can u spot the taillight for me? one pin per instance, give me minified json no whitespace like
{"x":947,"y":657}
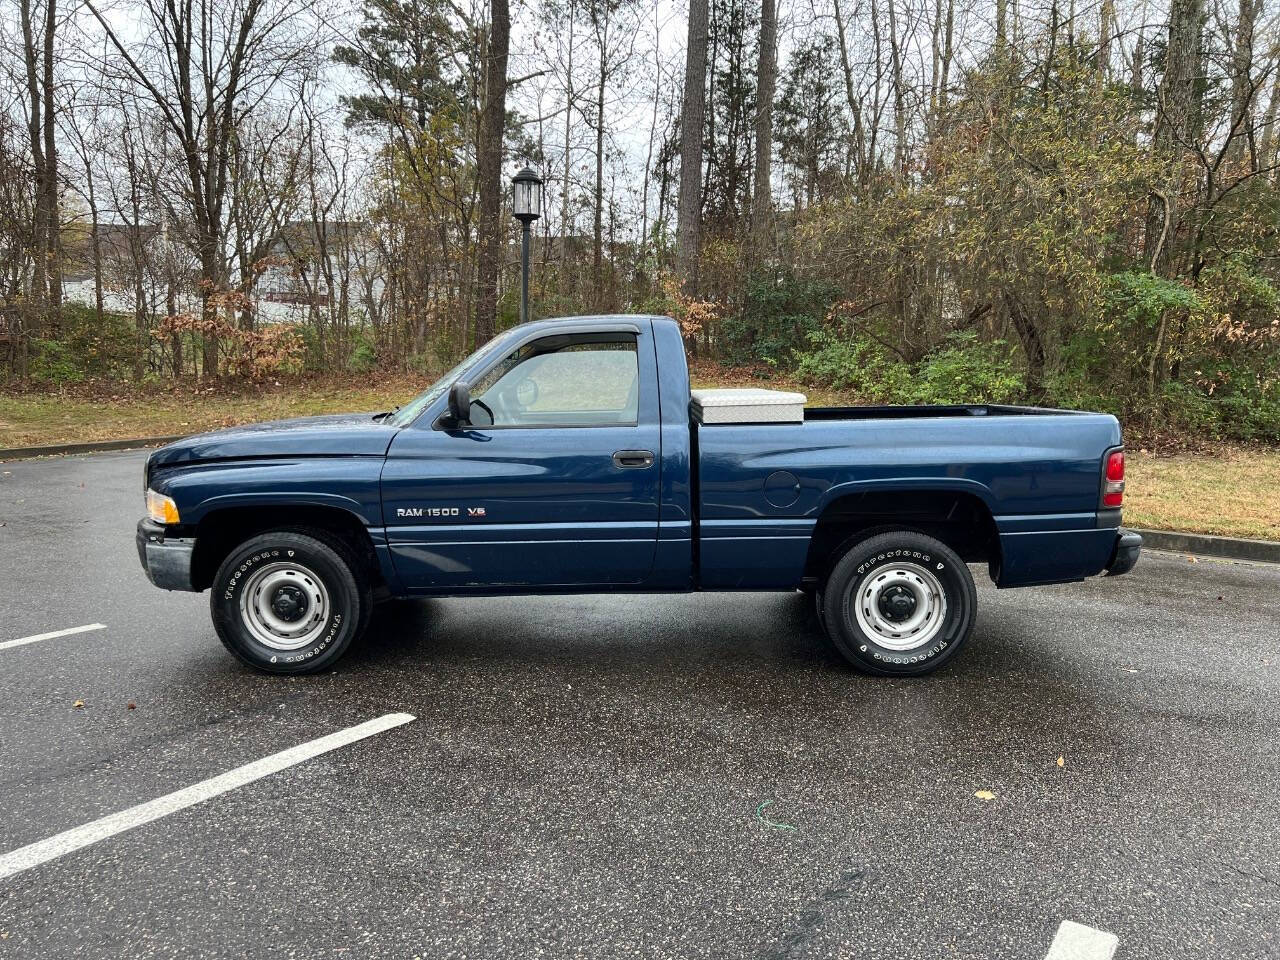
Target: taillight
{"x":1113,"y":482}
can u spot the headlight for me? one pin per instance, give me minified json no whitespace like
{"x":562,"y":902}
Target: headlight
{"x":161,"y":509}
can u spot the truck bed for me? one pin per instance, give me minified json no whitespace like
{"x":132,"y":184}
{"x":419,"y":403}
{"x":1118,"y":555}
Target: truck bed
{"x":928,"y":411}
{"x":1033,"y":474}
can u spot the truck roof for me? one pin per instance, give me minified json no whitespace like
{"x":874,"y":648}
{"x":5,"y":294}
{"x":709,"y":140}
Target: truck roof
{"x":592,"y":318}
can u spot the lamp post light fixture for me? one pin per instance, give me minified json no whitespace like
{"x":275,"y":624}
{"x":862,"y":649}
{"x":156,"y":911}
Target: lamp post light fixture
{"x":526,"y":204}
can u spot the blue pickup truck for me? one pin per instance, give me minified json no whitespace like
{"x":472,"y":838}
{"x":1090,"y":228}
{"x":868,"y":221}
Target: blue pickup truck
{"x":564,"y":456}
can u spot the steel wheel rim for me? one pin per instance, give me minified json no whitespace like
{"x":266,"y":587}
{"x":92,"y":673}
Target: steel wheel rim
{"x":928,"y":614}
{"x":260,"y":606}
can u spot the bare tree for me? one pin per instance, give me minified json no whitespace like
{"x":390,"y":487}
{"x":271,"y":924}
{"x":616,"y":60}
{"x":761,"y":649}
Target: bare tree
{"x":489,"y":169}
{"x":766,"y":83}
{"x":1241,"y":131}
{"x":38,"y":45}
{"x":614,"y":31}
{"x":692,"y":114}
{"x":206,"y":66}
{"x":82,"y":123}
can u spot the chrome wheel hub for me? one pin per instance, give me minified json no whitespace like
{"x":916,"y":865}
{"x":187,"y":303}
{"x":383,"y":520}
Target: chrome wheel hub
{"x":285,"y":606}
{"x":901,"y":606}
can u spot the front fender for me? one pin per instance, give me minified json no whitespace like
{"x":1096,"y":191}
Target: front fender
{"x":347,"y":483}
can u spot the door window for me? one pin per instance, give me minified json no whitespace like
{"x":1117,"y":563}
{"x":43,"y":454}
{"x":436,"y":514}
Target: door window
{"x":554,"y":382}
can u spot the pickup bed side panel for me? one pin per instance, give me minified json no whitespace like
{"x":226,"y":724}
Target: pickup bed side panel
{"x":762,"y":488}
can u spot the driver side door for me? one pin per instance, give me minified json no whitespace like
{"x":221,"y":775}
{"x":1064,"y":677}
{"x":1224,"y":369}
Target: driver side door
{"x":555,"y":482}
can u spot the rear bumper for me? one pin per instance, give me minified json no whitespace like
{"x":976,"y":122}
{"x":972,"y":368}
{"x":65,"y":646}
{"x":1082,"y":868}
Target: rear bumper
{"x":1127,"y":550}
{"x":166,"y":559}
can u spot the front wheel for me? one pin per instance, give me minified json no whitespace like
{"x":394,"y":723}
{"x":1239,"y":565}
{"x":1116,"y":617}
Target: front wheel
{"x":288,"y":601}
{"x":899,"y":604}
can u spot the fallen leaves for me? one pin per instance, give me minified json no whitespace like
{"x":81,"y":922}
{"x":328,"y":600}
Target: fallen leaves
{"x":1062,"y":761}
{"x":984,"y":795}
{"x":78,"y":705}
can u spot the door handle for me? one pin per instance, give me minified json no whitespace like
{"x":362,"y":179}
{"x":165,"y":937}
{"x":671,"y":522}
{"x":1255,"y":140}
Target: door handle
{"x":633,"y":459}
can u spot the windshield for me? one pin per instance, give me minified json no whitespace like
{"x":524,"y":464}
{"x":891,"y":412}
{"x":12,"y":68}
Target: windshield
{"x":413,"y":409}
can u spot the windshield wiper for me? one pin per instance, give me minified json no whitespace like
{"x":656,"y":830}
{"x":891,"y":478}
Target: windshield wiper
{"x":386,"y":413}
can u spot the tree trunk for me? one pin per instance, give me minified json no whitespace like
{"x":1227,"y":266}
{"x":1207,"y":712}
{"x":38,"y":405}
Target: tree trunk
{"x":899,"y":97}
{"x":1242,"y":86}
{"x":1180,"y":119}
{"x":692,"y":113}
{"x":1106,"y":28}
{"x":861,"y":160}
{"x":1137,"y":67}
{"x":53,"y":239}
{"x":95,"y":243}
{"x":766,"y":81}
{"x":39,"y":219}
{"x":489,"y":170}
{"x":948,"y":53}
{"x":210,"y":277}
{"x":140,"y":309}
{"x":597,"y":233}
{"x":653,"y":132}
{"x":568,"y":156}
{"x":171,"y":310}
{"x":1266,"y":148}
{"x":1033,"y":347}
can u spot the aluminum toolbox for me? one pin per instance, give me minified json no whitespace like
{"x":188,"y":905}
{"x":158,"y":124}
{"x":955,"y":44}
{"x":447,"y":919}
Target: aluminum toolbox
{"x":747,"y":406}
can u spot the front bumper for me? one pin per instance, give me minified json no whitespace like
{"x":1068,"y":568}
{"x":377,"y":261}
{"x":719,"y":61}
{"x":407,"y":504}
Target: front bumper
{"x":1127,"y":550}
{"x":165,"y":558}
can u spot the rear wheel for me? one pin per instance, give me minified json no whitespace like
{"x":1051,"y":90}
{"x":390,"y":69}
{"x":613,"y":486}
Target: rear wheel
{"x":899,"y":604}
{"x":290,"y":601}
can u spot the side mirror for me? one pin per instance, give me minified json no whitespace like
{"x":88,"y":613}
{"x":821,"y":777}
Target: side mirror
{"x":460,"y":402}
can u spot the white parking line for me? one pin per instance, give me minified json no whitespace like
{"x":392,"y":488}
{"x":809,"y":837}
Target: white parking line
{"x":77,"y":838}
{"x":1075,"y":941}
{"x":23,"y":641}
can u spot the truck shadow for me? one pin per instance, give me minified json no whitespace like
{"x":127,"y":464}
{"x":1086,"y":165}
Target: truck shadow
{"x":728,"y":641}
{"x":626,"y":629}
{"x":741,"y":674}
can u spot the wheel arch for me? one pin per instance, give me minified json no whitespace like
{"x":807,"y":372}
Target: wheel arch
{"x":223,"y":528}
{"x":958,"y":516}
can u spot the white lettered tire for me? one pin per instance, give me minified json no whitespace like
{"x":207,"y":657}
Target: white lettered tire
{"x":899,"y":604}
{"x":290,"y":601}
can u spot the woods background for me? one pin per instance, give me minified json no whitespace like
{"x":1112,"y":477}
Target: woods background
{"x":1071,"y":203}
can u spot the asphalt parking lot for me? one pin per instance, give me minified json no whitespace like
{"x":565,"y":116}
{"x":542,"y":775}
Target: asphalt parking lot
{"x":651,"y":776}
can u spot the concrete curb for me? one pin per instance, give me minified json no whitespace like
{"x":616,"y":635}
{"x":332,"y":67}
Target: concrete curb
{"x":1231,"y":548}
{"x":93,"y":446}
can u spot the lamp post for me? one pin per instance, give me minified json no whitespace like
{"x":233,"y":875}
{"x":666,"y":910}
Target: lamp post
{"x":526,"y":204}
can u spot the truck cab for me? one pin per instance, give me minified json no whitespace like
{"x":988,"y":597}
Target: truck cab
{"x":566,"y":456}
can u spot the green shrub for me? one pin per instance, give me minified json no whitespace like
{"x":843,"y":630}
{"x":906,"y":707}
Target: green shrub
{"x":1185,"y":408}
{"x":363,"y":357}
{"x":86,"y":347}
{"x":859,"y":366}
{"x":778,"y":317}
{"x":1246,"y":407}
{"x":965,"y":370}
{"x":55,"y":361}
{"x":968,"y":370}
